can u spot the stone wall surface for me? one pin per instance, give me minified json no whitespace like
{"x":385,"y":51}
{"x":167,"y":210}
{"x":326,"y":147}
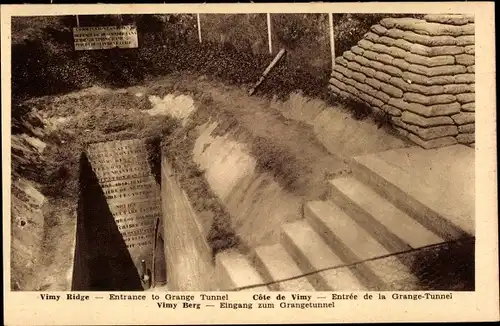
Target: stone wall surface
{"x":420,"y":72}
{"x":188,"y":256}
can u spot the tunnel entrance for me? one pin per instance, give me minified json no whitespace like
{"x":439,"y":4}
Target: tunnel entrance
{"x":119,"y":219}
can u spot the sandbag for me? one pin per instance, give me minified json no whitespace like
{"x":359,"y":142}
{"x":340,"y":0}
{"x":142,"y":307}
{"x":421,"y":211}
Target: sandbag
{"x":349,"y":55}
{"x":391,"y":90}
{"x":466,"y":138}
{"x":426,"y":111}
{"x":357,"y":50}
{"x":467,"y":129}
{"x":463,"y":118}
{"x":465,"y":40}
{"x":429,"y":81}
{"x":465,"y":59}
{"x":383,"y":76}
{"x":392,"y":110}
{"x":457,"y":88}
{"x":433,"y":143}
{"x":382,"y":95}
{"x":447,"y":19}
{"x":371,"y":37}
{"x":437,"y":71}
{"x":413,"y":37}
{"x":418,"y":120}
{"x":469,"y":107}
{"x":470,"y":49}
{"x":353,"y":65}
{"x":427,"y":28}
{"x":429,"y":99}
{"x":374,"y":83}
{"x":466,"y":97}
{"x":341,"y":61}
{"x":401,"y":64}
{"x":464,"y":78}
{"x":428,"y":133}
{"x":370,"y":72}
{"x":378,"y":29}
{"x":361,"y":60}
{"x":368,"y":54}
{"x":430,"y":61}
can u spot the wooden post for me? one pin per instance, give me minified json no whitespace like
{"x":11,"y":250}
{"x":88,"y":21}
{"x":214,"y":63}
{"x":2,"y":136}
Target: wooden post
{"x":269,"y":33}
{"x":332,"y":39}
{"x":199,"y":27}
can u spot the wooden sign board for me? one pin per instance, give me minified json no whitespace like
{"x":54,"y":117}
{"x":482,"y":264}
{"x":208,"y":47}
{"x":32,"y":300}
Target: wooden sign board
{"x":132,"y":194}
{"x":105,"y":37}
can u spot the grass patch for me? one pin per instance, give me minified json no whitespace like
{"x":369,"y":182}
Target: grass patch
{"x":93,"y":118}
{"x":281,"y":163}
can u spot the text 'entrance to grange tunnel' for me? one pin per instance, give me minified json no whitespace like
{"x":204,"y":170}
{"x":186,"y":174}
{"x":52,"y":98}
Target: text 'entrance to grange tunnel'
{"x":119,"y":240}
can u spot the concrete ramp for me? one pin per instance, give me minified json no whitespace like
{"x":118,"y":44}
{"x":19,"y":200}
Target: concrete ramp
{"x":437,"y":186}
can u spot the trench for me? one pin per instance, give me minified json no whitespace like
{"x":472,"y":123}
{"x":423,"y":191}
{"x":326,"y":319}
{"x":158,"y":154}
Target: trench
{"x":226,"y":182}
{"x":103,"y":260}
{"x":190,"y":232}
{"x":229,"y":178}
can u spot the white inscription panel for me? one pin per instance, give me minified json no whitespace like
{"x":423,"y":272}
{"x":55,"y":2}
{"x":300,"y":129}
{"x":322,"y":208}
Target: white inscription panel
{"x":105,"y":37}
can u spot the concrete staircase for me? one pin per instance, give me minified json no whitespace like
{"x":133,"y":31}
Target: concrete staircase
{"x":366,"y":217}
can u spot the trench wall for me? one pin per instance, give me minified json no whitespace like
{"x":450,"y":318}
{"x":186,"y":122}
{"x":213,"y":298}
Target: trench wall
{"x":258,"y":205}
{"x":188,"y":256}
{"x":27,"y":202}
{"x":418,"y":71}
{"x":27,"y":223}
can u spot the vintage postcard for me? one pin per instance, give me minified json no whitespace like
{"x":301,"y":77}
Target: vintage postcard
{"x":249,"y":163}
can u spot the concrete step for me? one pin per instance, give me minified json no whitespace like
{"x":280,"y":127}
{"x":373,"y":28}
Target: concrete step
{"x":276,"y":265}
{"x":235,"y":271}
{"x":348,"y":240}
{"x":313,"y":254}
{"x":403,"y":189}
{"x":347,"y":278}
{"x":392,"y":227}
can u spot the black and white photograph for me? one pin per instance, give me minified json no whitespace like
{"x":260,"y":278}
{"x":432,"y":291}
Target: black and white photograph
{"x":207,"y":152}
{"x":243,"y":152}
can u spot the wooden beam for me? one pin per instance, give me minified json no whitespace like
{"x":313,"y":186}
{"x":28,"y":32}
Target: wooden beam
{"x":268,"y":69}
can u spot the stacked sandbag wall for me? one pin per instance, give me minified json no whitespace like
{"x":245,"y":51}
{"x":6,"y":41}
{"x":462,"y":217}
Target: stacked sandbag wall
{"x":420,"y":72}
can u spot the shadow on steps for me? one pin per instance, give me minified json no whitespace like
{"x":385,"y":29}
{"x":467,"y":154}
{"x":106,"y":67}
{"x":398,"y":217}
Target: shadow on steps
{"x":447,"y":267}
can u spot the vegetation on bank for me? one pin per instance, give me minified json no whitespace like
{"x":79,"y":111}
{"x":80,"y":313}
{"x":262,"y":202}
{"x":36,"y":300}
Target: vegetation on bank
{"x":44,"y":61}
